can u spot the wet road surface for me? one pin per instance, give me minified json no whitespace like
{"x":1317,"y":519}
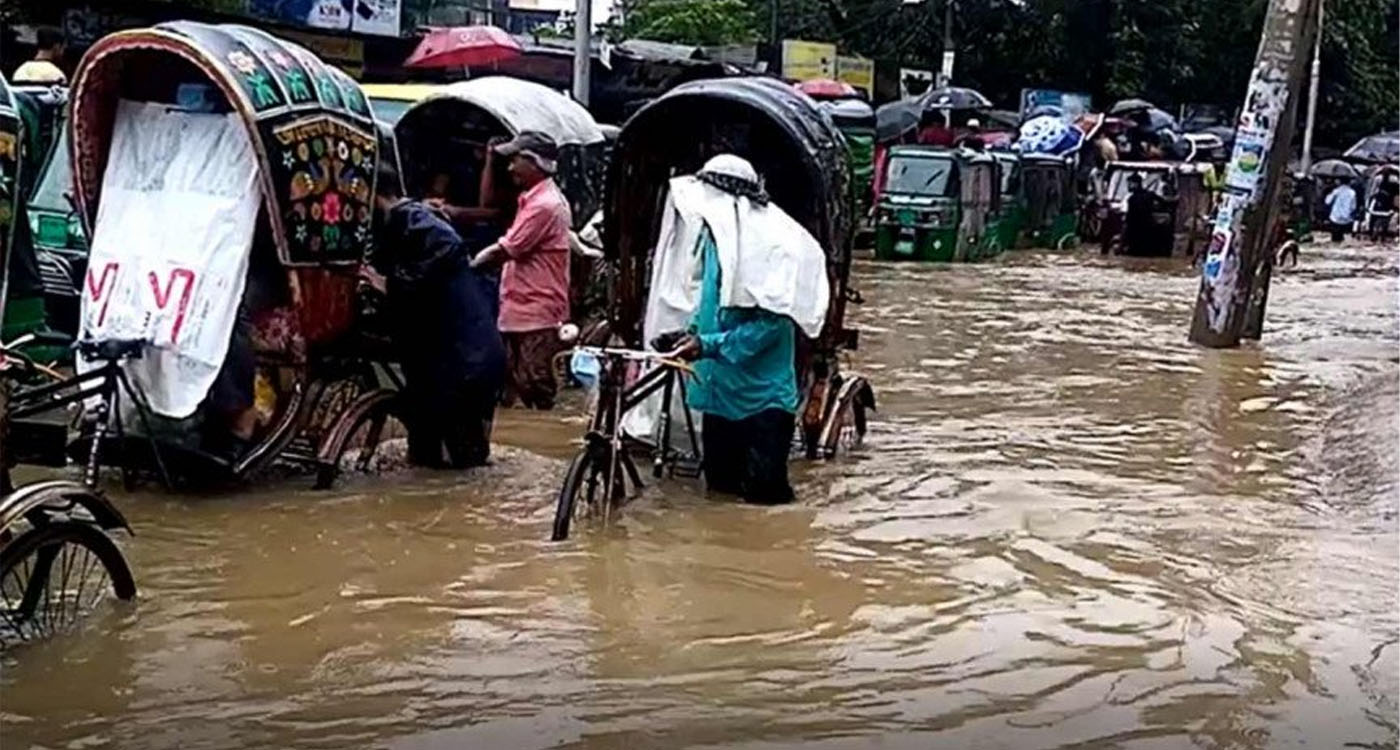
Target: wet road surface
{"x":1069,"y":528}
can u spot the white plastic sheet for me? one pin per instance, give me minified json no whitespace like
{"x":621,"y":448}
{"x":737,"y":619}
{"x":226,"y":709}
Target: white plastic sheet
{"x":767,"y":260}
{"x":170,"y":248}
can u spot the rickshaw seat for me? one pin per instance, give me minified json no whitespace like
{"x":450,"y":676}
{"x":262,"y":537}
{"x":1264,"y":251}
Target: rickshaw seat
{"x":112,"y":349}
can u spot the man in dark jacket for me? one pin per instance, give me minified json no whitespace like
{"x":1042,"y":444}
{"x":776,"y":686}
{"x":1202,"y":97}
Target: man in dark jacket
{"x":443,"y":317}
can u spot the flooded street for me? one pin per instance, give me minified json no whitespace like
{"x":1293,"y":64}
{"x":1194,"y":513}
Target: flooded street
{"x":1069,"y":528}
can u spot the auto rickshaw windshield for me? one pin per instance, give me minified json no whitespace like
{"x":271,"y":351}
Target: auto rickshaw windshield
{"x":922,"y":176}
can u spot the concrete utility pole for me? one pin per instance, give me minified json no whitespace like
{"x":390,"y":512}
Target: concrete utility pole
{"x":945,"y":70}
{"x":583,"y":43}
{"x":1235,"y":276}
{"x":1314,"y":82}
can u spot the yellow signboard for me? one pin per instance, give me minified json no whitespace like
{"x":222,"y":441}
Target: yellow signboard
{"x":806,"y":61}
{"x":857,"y":71}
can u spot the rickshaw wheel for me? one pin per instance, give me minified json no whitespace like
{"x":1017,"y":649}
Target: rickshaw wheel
{"x":362,"y":429}
{"x":1067,"y":242}
{"x":846,"y":421}
{"x":53,"y":575}
{"x":582,"y":496}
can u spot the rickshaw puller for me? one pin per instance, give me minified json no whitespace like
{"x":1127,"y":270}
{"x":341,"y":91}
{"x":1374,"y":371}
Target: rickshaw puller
{"x":743,"y":331}
{"x":443,"y":314}
{"x":535,"y":278}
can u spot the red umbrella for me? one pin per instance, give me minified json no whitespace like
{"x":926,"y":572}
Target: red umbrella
{"x":463,"y":46}
{"x":825,"y":88}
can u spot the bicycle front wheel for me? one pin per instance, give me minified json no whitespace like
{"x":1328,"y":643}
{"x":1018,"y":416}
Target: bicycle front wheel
{"x":53,"y":575}
{"x":584,"y":494}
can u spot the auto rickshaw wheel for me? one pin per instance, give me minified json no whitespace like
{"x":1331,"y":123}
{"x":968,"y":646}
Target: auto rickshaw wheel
{"x":53,"y":575}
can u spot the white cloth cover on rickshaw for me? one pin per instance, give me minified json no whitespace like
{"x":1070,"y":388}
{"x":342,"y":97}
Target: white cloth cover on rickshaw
{"x":170,"y":248}
{"x":767,"y":260}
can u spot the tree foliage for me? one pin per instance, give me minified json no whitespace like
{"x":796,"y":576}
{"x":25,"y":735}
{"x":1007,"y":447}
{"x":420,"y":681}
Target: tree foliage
{"x":701,"y":22}
{"x":1172,"y":52}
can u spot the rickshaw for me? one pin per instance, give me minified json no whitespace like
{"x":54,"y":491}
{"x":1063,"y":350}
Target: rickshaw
{"x":1378,"y":207}
{"x":1181,"y":223}
{"x":281,"y":152}
{"x":453,"y":124}
{"x":1051,"y":200}
{"x":1012,"y":220}
{"x":938,"y":204}
{"x":800,"y":154}
{"x":58,"y":559}
{"x":856,"y":121}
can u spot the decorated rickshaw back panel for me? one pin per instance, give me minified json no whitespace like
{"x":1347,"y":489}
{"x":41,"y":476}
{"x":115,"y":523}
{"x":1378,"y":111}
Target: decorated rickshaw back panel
{"x":310,"y":124}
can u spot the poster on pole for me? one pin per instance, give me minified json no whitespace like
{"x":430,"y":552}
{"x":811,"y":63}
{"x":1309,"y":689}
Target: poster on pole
{"x":806,"y":61}
{"x":945,"y":73}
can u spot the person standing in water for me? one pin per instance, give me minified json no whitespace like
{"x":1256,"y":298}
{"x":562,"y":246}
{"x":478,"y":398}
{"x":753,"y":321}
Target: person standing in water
{"x":442,"y":315}
{"x":762,"y":276}
{"x":535,"y":276}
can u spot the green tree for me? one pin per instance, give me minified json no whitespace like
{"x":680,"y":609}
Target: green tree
{"x":699,"y":22}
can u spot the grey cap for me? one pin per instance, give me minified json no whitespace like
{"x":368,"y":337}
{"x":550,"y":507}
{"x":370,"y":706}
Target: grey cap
{"x":538,"y":147}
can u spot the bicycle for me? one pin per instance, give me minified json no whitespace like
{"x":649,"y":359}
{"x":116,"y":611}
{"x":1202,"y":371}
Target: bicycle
{"x":606,"y":461}
{"x":57,"y":555}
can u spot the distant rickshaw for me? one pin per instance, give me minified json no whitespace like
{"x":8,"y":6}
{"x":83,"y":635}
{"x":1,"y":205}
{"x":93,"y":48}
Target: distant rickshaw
{"x":1051,"y":201}
{"x":1379,"y":206}
{"x":1011,"y":222}
{"x":938,"y":205}
{"x":273,"y":281}
{"x":443,"y":138}
{"x":1180,"y":223}
{"x":856,"y":121}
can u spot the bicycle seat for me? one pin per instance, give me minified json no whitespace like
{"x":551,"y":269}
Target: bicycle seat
{"x":112,"y":349}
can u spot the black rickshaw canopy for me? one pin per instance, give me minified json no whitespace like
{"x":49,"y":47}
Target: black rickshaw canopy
{"x":309,"y":123}
{"x":791,"y":143}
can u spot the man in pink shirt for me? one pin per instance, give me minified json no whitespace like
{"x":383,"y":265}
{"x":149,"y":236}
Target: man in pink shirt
{"x":535,"y":277}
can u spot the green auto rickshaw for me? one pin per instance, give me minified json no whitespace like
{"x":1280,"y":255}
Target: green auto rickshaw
{"x":1052,"y":210}
{"x":856,"y":121}
{"x":938,"y":205}
{"x":1012,"y":215}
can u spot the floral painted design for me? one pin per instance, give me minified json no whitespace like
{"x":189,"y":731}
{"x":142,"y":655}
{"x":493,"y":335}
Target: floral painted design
{"x":242,"y":62}
{"x":331,"y":210}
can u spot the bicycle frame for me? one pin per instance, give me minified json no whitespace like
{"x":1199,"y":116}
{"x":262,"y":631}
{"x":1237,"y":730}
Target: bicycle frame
{"x":615,"y":401}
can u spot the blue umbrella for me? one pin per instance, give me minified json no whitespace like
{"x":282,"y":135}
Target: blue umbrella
{"x":1049,"y":134}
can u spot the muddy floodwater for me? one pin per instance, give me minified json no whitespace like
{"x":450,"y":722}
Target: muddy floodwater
{"x":1068,"y":528}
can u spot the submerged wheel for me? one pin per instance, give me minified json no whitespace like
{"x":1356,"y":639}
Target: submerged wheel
{"x":583,"y":497}
{"x":53,"y":575}
{"x":358,"y":437}
{"x":846,"y":423}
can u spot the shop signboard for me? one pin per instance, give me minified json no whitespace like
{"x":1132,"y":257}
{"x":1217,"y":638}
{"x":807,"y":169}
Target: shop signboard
{"x":806,"y":61}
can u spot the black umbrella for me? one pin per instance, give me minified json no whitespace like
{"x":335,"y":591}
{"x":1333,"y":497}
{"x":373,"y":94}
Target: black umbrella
{"x":896,"y":118}
{"x":954,"y":97}
{"x":1335,"y":168}
{"x":1129,"y":106}
{"x":1381,"y":148}
{"x":1157,"y":121}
